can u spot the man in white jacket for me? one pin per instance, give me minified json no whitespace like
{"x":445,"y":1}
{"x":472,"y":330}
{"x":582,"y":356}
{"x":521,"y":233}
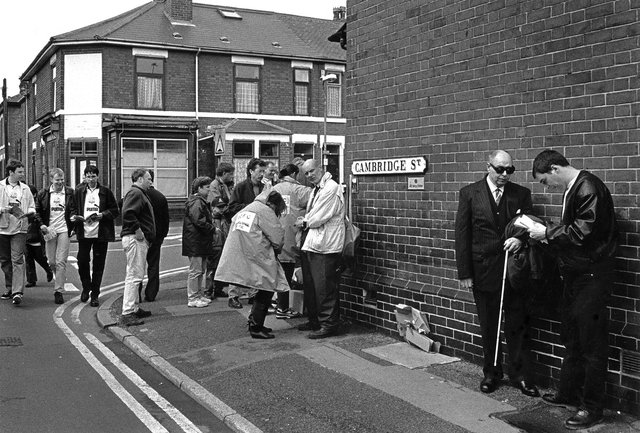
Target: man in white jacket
{"x":322,"y":242}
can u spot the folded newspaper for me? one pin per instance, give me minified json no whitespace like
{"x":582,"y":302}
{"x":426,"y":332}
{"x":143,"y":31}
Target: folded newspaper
{"x":525,"y":222}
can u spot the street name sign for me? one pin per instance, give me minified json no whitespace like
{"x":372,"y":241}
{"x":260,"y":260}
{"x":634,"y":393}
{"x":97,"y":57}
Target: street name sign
{"x":416,"y":164}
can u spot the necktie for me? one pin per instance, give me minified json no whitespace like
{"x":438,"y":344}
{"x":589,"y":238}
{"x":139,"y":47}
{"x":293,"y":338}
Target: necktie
{"x":498,"y":195}
{"x":315,"y":194}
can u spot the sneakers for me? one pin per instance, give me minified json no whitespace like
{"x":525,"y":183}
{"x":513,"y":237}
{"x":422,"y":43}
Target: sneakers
{"x":286,"y":314}
{"x":234,"y":302}
{"x":7,"y":295}
{"x":17,"y":299}
{"x":205,"y":299}
{"x":141,"y":314}
{"x":58,"y":298}
{"x":197,"y":303}
{"x":130,"y":320}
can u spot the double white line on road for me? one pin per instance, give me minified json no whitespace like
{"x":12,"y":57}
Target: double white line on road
{"x":118,"y":389}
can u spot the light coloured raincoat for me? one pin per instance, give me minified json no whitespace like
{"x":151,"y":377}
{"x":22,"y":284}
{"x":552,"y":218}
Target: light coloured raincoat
{"x":325,"y":218}
{"x":248,"y":257}
{"x":296,"y":197}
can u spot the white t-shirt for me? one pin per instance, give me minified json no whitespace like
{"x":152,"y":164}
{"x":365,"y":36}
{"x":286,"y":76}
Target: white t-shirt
{"x":91,"y":206}
{"x":57,"y":208}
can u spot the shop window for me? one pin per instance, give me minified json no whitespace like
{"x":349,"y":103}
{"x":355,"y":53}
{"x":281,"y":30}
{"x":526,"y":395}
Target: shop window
{"x":334,"y":96}
{"x":149,"y":82}
{"x":247,"y":88}
{"x":269,"y":149}
{"x":301,"y":83}
{"x":242,"y":149}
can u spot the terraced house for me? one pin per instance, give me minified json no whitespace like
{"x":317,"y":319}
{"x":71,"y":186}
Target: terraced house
{"x":179,"y":87}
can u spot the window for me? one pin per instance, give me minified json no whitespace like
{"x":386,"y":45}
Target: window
{"x":269,"y":149}
{"x":301,"y":83}
{"x":168,"y":159}
{"x":83,"y":147}
{"x":150,"y":80}
{"x":334,"y":97}
{"x":242,"y":149}
{"x":54,"y":74}
{"x":247,"y":88}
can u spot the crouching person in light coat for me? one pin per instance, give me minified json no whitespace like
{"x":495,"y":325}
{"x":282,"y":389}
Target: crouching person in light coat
{"x":249,"y":257}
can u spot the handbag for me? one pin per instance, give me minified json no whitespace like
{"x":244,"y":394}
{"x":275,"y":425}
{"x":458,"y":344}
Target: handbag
{"x":351,"y":238}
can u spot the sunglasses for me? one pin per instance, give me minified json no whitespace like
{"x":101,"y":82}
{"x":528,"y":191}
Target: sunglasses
{"x":501,"y":170}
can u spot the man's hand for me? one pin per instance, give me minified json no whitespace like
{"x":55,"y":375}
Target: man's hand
{"x":467,"y":283}
{"x":139,"y":235}
{"x":299,"y":223}
{"x":538,"y":233}
{"x":512,"y":245}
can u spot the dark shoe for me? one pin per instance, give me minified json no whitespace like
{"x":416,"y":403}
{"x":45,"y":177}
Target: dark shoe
{"x":322,"y":333}
{"x":58,"y":298}
{"x":527,"y":388}
{"x":30,"y":284}
{"x":94,"y":302}
{"x":147,"y":299}
{"x":234,"y":302}
{"x":130,"y":320}
{"x":219,"y":294}
{"x":308,"y":327}
{"x":141,"y":314}
{"x":250,"y":300}
{"x":261,"y":334}
{"x":488,"y":385}
{"x":557,"y":400}
{"x":49,"y":276}
{"x":17,"y":298}
{"x":265,"y":329}
{"x":7,"y":295}
{"x":584,"y":419}
{"x":84,"y":296}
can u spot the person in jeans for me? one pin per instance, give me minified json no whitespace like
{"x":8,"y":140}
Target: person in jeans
{"x":34,"y":249}
{"x":94,"y":214}
{"x":16,"y":205}
{"x":197,"y":239}
{"x":138,"y":233}
{"x":54,"y":205}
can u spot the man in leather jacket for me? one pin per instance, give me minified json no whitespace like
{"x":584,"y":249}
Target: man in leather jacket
{"x":584,"y":244}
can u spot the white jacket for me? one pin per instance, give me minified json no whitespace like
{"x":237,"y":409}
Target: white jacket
{"x":325,"y":218}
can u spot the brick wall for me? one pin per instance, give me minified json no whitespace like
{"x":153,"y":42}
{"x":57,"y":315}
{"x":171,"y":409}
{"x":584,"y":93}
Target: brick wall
{"x":453,"y":80}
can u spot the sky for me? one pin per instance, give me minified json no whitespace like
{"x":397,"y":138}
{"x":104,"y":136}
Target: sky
{"x":29,"y":24}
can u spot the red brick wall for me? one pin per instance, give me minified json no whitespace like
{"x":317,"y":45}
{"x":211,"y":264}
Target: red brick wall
{"x":453,"y":80}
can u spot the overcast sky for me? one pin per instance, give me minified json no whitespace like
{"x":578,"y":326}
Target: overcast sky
{"x":27,"y":25}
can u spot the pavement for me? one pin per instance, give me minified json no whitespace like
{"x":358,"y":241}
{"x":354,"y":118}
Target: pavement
{"x":359,"y":381}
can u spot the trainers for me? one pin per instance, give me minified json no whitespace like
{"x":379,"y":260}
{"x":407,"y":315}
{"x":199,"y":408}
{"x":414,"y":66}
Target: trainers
{"x":197,"y":303}
{"x":130,"y":320}
{"x":234,"y":302}
{"x":58,"y":298}
{"x":141,"y":314}
{"x":205,"y":299}
{"x":17,"y":299}
{"x":7,"y":295}
{"x":286,"y":314}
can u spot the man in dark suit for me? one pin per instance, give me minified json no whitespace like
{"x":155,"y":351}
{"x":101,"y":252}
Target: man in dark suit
{"x":161,"y":216}
{"x":584,"y":244}
{"x":484,"y":210}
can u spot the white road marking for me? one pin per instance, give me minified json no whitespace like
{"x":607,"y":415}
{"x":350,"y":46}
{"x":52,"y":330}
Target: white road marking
{"x":183,"y":422}
{"x":70,"y":287}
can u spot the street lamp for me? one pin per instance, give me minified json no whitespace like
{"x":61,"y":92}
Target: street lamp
{"x":326,"y":79}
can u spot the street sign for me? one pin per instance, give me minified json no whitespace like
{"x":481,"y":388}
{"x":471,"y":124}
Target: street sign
{"x":219,"y":141}
{"x":416,"y":164}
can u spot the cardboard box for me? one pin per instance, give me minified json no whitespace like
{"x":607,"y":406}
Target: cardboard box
{"x":419,"y":340}
{"x":296,"y":300}
{"x":407,"y":316}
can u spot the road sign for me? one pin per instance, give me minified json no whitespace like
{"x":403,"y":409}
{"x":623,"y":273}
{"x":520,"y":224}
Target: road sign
{"x":219,"y":141}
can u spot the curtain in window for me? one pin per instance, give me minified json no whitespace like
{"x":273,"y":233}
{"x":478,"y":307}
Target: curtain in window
{"x":302,"y":107}
{"x":247,"y":97}
{"x":333,"y":101}
{"x":149,"y":92}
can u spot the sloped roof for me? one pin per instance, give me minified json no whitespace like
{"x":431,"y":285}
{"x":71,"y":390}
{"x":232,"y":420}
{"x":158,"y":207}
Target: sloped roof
{"x":254,"y":34}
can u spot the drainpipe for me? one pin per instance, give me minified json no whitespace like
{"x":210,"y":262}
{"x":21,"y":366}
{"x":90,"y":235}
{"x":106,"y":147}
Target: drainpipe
{"x":5,"y":121}
{"x":195,"y":146}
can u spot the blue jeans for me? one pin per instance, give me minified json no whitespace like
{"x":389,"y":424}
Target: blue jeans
{"x":12,"y":261}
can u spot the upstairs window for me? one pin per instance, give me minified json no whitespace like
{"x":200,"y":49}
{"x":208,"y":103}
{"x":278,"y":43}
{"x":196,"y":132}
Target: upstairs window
{"x":301,"y":91}
{"x":247,"y":81}
{"x":150,"y":82}
{"x":334,"y":96}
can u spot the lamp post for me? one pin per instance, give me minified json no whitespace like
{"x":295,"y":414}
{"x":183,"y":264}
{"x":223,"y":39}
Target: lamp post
{"x":326,"y":78}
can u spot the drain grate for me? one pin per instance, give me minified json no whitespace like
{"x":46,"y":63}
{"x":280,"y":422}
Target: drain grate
{"x":630,"y":362}
{"x":10,"y":341}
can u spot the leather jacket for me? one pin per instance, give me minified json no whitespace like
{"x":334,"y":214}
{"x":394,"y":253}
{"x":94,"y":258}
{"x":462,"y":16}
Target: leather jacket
{"x":586,"y":239}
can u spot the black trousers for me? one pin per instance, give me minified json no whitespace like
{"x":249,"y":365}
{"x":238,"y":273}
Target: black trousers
{"x":517,"y":333}
{"x":35,"y":254}
{"x":283,"y":297}
{"x":91,"y":279}
{"x":321,"y":288}
{"x":584,"y":333}
{"x":259,"y":309}
{"x":153,"y":270}
{"x":211,"y":286}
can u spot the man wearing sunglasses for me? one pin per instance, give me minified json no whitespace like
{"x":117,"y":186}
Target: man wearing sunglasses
{"x":484,"y":210}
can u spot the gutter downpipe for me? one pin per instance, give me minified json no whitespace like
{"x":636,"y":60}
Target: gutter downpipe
{"x":195,"y":142}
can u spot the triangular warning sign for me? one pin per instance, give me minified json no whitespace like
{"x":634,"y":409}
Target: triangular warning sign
{"x":219,"y":139}
{"x":220,"y":145}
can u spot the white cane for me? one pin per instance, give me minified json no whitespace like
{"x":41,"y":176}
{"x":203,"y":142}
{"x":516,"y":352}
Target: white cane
{"x":504,"y":280}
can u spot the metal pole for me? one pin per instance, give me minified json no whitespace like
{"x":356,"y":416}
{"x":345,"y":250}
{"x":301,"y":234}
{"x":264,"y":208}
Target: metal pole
{"x":324,"y":144}
{"x":5,"y":121}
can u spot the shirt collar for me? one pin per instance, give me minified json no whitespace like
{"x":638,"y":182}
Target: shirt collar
{"x":493,"y":187}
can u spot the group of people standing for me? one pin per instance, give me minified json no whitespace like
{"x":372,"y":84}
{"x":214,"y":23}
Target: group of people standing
{"x":582,"y":245}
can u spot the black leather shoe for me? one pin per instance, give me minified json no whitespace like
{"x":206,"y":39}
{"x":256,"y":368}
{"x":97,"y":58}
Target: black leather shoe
{"x":557,"y":400}
{"x":265,"y":329}
{"x":527,"y":388}
{"x":58,"y":298}
{"x":94,"y":302}
{"x":234,"y":302}
{"x":261,"y":334}
{"x":84,"y":296}
{"x":322,"y":333}
{"x":583,"y":419}
{"x":308,"y":327}
{"x":49,"y":276}
{"x":141,"y":314}
{"x":219,"y":294}
{"x":488,"y":385}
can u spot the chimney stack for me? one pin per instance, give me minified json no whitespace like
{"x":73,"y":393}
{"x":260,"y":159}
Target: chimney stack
{"x":340,"y":13}
{"x":179,"y":10}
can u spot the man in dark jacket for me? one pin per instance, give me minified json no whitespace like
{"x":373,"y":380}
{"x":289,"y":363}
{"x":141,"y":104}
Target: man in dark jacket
{"x":584,"y":244}
{"x":484,"y":210}
{"x":54,"y":205}
{"x":138,"y":233}
{"x":243,"y":194}
{"x":161,"y":214}
{"x":93,"y":215}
